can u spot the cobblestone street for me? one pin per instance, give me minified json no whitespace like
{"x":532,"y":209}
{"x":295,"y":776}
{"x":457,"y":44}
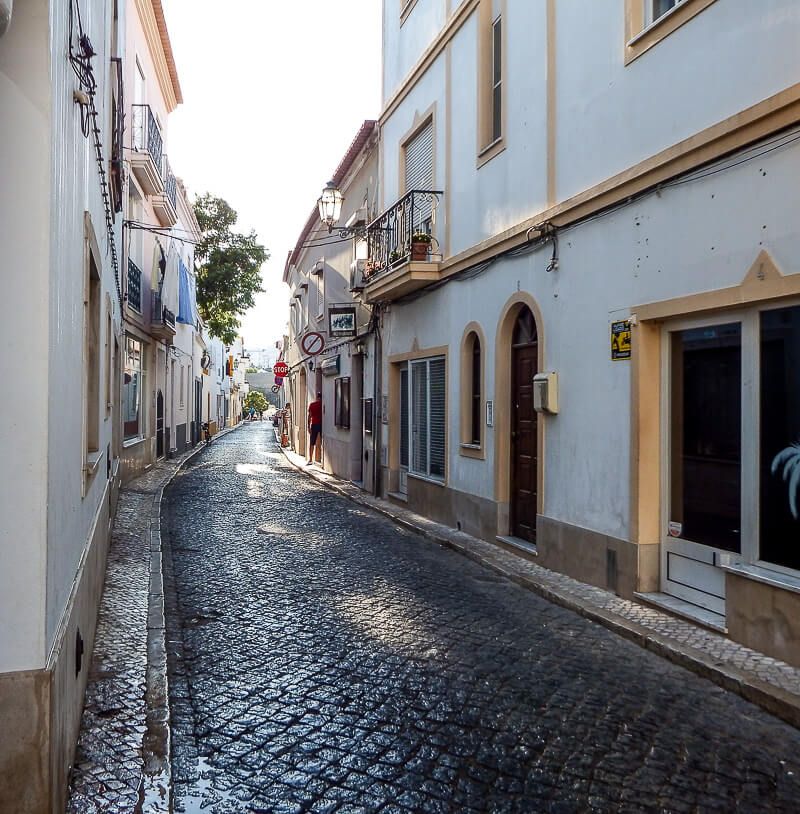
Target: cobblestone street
{"x":322,"y":659}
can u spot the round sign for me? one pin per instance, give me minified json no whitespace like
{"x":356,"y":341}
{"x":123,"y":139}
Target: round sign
{"x":279,"y":380}
{"x":276,"y":388}
{"x":312,"y":343}
{"x":280,"y":369}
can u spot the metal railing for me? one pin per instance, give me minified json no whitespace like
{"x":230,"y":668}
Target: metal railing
{"x":170,"y":185}
{"x":147,"y":133}
{"x":389,"y":235}
{"x":134,"y":286}
{"x":161,"y":315}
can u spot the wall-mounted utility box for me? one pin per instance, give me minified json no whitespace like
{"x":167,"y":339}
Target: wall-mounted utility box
{"x":545,"y":393}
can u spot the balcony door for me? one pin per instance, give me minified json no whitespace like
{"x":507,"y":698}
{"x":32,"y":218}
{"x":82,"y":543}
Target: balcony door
{"x":418,"y":152}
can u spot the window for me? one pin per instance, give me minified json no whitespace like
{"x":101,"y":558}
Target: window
{"x":183,"y":385}
{"x":92,"y":355}
{"x":497,"y":79}
{"x":418,"y":159}
{"x":658,"y":8}
{"x":427,"y":418}
{"x":109,"y":359}
{"x":320,"y":294}
{"x":734,"y":469}
{"x":471,"y":386}
{"x":647,"y":22}
{"x":367,"y":412}
{"x":132,"y":389}
{"x":405,"y":416}
{"x":491,"y":87}
{"x":341,"y":402}
{"x":475,"y":395}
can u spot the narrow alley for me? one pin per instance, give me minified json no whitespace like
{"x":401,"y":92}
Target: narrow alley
{"x":322,"y":659}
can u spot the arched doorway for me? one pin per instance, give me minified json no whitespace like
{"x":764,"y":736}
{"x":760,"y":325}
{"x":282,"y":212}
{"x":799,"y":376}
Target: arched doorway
{"x":524,"y":431}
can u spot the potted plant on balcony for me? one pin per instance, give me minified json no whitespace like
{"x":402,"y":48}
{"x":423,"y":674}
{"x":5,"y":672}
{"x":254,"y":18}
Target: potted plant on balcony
{"x":395,"y":257}
{"x":420,"y":246}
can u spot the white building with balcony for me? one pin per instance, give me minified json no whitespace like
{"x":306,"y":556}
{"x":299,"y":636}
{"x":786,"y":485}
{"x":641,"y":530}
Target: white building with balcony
{"x":60,"y":327}
{"x":594,"y":363}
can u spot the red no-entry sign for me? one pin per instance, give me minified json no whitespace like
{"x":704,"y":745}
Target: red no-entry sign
{"x":312,"y":343}
{"x":280,"y":369}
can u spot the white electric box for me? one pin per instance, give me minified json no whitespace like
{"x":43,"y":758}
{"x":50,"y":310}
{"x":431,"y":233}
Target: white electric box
{"x":545,"y":393}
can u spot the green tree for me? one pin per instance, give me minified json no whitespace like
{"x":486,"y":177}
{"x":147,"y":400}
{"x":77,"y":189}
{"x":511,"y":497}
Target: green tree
{"x":255,"y":400}
{"x":229,"y":268}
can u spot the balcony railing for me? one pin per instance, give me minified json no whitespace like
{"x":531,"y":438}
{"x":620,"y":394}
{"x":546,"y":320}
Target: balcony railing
{"x":147,"y":133}
{"x":134,"y":286}
{"x":170,"y":185}
{"x":389,"y":235}
{"x":161,"y":315}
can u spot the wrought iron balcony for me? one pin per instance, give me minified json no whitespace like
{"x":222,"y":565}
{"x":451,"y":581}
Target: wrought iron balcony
{"x":148,"y":149}
{"x":166,"y":203}
{"x":134,"y":286}
{"x":393,"y":266}
{"x":162,"y":320}
{"x":389,"y":235}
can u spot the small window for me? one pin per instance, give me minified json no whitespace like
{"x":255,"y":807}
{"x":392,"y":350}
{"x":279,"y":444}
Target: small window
{"x":497,"y":79}
{"x":658,"y":8}
{"x":341,"y":402}
{"x":475,"y":392}
{"x":183,"y":373}
{"x":132,"y":389}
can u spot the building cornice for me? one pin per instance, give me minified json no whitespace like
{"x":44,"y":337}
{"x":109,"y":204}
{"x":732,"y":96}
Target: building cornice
{"x":151,"y":15}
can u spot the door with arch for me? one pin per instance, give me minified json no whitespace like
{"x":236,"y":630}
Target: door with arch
{"x":524,"y":451}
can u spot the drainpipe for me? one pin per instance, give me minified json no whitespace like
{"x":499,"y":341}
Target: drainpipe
{"x":378,"y":407}
{"x":6,"y":7}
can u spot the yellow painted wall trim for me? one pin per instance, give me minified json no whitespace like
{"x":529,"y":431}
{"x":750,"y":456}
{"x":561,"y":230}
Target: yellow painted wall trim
{"x":757,"y":122}
{"x":170,"y":89}
{"x":639,"y":38}
{"x":430,"y":55}
{"x":764,"y":281}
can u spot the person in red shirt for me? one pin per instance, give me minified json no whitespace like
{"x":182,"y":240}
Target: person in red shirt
{"x":315,"y":429}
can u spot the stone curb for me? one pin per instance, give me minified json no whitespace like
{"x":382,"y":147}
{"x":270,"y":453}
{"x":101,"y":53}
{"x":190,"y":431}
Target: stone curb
{"x":155,"y":793}
{"x":777,"y":701}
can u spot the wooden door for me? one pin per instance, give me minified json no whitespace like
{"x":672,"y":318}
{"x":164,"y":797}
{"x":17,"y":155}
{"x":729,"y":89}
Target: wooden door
{"x":524,"y":451}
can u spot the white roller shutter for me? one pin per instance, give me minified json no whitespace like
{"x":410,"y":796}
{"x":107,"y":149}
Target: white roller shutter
{"x":419,"y":173}
{"x":428,"y":418}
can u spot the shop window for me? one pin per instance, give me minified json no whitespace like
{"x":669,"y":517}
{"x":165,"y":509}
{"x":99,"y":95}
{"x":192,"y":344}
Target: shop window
{"x":779,"y":465}
{"x":341,"y":402}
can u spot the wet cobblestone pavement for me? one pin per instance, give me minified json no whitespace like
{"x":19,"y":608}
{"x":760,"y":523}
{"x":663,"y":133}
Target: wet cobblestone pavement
{"x":322,"y":659}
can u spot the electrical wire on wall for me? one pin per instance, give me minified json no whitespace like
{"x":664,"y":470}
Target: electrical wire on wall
{"x":80,"y":59}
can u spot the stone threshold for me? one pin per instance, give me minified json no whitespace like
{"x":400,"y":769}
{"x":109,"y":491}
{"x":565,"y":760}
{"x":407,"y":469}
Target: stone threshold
{"x":760,"y":679}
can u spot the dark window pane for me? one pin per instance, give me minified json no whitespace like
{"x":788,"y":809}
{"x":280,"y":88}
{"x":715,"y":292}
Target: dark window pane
{"x":780,"y":437}
{"x":475,"y":401}
{"x":706,"y":435}
{"x":498,"y":51}
{"x":661,"y":7}
{"x":404,"y":417}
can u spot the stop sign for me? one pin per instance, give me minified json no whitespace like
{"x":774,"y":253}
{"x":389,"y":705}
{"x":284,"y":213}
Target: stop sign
{"x":280,"y":369}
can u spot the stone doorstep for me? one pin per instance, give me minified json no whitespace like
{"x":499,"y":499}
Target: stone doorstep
{"x":775,"y":686}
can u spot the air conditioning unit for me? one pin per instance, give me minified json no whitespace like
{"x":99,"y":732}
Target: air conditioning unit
{"x":358,"y":269}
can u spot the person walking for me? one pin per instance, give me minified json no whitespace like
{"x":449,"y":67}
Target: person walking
{"x":314,"y":429}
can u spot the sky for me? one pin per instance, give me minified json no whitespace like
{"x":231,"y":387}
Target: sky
{"x":273,"y":95}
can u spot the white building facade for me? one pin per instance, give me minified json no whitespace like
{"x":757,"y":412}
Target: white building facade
{"x":60,"y":256}
{"x":331,"y":342}
{"x":594,"y":362}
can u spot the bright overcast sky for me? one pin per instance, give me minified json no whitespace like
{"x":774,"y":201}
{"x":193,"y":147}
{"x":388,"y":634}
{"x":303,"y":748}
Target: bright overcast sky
{"x":273,"y":95}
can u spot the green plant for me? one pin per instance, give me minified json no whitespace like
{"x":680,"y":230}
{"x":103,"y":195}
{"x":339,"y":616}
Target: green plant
{"x":255,"y":400}
{"x":394,"y":256}
{"x":420,"y":237}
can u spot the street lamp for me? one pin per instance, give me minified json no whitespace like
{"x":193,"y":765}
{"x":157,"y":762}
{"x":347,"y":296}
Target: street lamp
{"x":330,"y":205}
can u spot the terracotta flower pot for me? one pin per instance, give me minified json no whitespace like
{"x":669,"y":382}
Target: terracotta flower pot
{"x":419,"y":251}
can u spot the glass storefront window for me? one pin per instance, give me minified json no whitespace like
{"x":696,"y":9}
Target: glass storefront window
{"x":132,"y":389}
{"x":779,"y":467}
{"x":706,"y":455}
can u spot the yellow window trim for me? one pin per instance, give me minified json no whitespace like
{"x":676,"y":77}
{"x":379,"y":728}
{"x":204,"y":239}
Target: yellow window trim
{"x":640,"y":38}
{"x":467,"y":449}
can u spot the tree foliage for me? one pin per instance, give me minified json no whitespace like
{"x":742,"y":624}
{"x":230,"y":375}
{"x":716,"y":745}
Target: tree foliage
{"x":229,"y":268}
{"x":256,"y":400}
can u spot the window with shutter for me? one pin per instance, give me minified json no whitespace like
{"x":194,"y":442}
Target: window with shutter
{"x":427,"y":396}
{"x":419,"y":175}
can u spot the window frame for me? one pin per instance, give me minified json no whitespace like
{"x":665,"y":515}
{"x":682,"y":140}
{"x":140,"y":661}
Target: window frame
{"x":341,"y":402}
{"x":426,"y":474}
{"x":129,"y":440}
{"x":749,"y":316}
{"x":490,"y":143}
{"x":641,"y":35}
{"x":467,"y":385}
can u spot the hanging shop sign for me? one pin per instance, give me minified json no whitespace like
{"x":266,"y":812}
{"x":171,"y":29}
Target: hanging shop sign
{"x":330,"y":366}
{"x":621,"y":340}
{"x":312,"y":343}
{"x":341,"y":321}
{"x":280,"y":369}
